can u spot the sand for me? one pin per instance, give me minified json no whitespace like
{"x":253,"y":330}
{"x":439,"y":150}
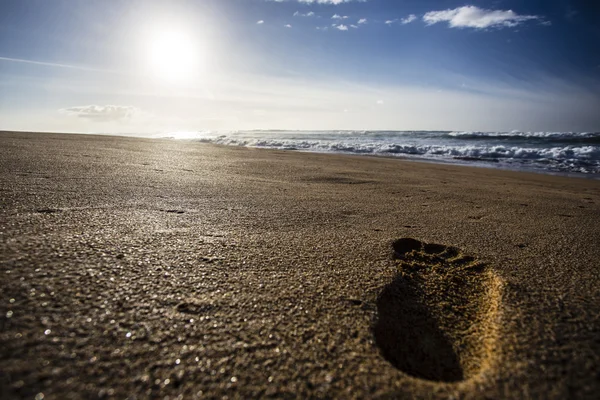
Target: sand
{"x":135,"y":268}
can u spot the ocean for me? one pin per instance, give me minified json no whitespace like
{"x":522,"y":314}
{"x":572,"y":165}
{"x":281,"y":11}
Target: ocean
{"x":570,"y":153}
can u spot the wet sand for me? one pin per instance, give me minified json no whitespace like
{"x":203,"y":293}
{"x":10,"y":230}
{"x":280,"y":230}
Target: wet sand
{"x":136,"y":268}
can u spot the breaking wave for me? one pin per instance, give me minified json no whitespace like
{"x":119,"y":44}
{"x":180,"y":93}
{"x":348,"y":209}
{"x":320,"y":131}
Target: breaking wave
{"x":569,"y":152}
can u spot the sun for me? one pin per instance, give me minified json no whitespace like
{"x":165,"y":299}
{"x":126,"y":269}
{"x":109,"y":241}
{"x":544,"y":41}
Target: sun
{"x":173,"y":55}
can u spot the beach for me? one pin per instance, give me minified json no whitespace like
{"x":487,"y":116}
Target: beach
{"x":154,"y":268}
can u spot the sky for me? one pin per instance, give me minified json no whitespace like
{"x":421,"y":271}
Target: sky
{"x":148,"y":67}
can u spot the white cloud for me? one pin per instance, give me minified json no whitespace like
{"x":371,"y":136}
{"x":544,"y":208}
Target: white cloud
{"x":362,"y":21}
{"x":408,"y":19}
{"x":380,"y":102}
{"x":287,"y":26}
{"x":308,"y":14}
{"x":260,"y":22}
{"x":354,"y":26}
{"x":390,"y":21}
{"x":477,"y":18}
{"x":342,"y":27}
{"x":104,"y":113}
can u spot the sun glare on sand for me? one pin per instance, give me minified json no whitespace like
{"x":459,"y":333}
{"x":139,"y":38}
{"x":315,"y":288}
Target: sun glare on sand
{"x":173,"y":55}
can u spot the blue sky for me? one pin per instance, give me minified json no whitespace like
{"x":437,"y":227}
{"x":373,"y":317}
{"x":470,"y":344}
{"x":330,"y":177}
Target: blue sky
{"x":141,"y":66}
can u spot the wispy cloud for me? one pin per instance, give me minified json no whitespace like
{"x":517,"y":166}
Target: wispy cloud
{"x":260,"y":22}
{"x":57,"y":65}
{"x":571,"y":14}
{"x":362,"y":21}
{"x":104,"y":113}
{"x":342,"y":27}
{"x":477,"y":18}
{"x":408,"y":19}
{"x":287,"y":26}
{"x":337,"y":16}
{"x":308,"y":14}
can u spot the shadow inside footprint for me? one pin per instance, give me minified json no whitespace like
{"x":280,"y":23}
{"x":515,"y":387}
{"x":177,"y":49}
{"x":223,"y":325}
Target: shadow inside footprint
{"x":437,"y":319}
{"x":409,"y":336}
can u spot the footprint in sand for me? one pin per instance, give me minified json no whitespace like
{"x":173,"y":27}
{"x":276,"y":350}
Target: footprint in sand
{"x":438,"y":319}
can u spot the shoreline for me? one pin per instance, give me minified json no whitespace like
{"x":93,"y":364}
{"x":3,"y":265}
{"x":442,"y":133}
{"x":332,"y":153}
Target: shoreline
{"x":457,"y":161}
{"x":163,"y":268}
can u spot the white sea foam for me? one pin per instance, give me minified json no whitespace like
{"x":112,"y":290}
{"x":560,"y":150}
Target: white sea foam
{"x":549,"y":151}
{"x":524,"y":134}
